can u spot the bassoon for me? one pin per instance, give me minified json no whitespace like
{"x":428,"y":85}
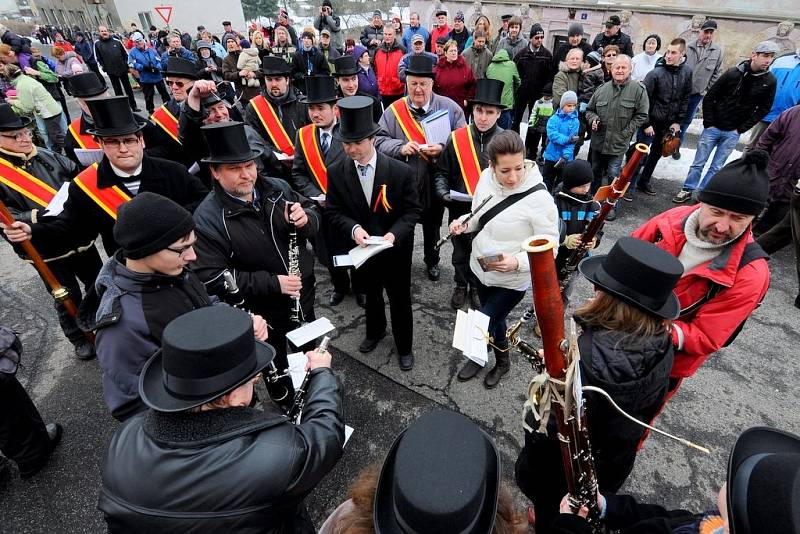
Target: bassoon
{"x":57,"y":290}
{"x":607,"y":196}
{"x":573,"y":436}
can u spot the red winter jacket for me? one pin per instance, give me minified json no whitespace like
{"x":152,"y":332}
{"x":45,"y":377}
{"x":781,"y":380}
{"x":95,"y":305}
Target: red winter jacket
{"x":385,"y":62}
{"x":706,"y":329}
{"x":454,"y":80}
{"x":443,"y":31}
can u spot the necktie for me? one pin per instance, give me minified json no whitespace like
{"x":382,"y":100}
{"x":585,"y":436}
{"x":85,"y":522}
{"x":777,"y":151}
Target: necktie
{"x":363,"y":170}
{"x":325,"y":143}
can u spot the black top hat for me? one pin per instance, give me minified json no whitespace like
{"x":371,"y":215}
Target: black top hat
{"x":210,"y":99}
{"x":112,"y":116}
{"x":355,"y":119}
{"x":178,"y":67}
{"x":420,"y":66}
{"x":275,"y":66}
{"x":488,"y":92}
{"x":204,"y":354}
{"x":764,"y":482}
{"x":639,"y":273}
{"x":86,"y":84}
{"x":10,"y":121}
{"x":320,"y":90}
{"x":439,"y":446}
{"x":227,"y":143}
{"x":345,"y":66}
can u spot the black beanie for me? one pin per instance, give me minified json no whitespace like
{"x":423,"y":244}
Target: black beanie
{"x":741,"y":186}
{"x":576,"y":172}
{"x":149,"y":223}
{"x":536,"y":29}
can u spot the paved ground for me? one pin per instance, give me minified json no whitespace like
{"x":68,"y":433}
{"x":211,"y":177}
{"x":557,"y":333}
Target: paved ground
{"x":754,"y":382}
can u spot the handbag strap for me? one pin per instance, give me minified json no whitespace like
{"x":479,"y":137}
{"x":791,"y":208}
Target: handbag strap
{"x":503,"y":204}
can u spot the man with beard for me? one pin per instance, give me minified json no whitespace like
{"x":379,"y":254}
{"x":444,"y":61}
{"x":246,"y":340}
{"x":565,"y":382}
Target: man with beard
{"x":346,"y":74}
{"x":726,"y":272}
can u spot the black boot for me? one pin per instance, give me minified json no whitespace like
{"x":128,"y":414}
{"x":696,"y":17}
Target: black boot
{"x":469,"y":371}
{"x":501,"y":366}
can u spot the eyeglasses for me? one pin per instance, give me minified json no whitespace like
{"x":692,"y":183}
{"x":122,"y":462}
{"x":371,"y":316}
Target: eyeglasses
{"x":612,"y":54}
{"x":181,"y":251}
{"x":112,"y":142}
{"x":19,"y":136}
{"x":176,"y":83}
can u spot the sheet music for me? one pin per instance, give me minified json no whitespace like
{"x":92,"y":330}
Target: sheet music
{"x":360,"y":254}
{"x":310,"y":331}
{"x":56,"y":205}
{"x":282,"y":157}
{"x":468,"y":335}
{"x":437,"y":127}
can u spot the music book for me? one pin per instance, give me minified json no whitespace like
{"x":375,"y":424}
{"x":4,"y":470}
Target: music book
{"x":87,"y":156}
{"x":437,"y":127}
{"x":469,"y":335}
{"x":360,"y":254}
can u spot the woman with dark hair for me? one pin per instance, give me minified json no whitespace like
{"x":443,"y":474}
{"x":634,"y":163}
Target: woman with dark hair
{"x":454,"y":79}
{"x":645,"y":61}
{"x":497,"y":258}
{"x":625,"y":349}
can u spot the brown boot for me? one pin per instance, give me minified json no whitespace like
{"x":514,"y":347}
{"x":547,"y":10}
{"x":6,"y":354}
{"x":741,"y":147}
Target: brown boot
{"x":500,"y":369}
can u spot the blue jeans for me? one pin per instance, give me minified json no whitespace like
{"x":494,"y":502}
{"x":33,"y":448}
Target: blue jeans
{"x":605,"y":167}
{"x":506,"y":119}
{"x":497,"y":303}
{"x":722,"y":143}
{"x":694,"y":102}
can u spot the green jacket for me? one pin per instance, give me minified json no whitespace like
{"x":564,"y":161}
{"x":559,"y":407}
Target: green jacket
{"x":502,"y":68}
{"x":620,"y":110}
{"x":32,"y":99}
{"x":564,"y":81}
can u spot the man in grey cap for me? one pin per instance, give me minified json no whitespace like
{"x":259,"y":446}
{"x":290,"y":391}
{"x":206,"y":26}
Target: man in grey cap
{"x":417,"y":49}
{"x":735,"y":103}
{"x":326,"y":20}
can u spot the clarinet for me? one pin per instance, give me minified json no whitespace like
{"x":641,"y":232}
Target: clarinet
{"x":573,"y":435}
{"x":300,"y":394}
{"x":474,"y":212}
{"x":294,"y":266}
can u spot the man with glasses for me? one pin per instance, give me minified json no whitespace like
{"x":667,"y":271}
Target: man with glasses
{"x":96,"y":194}
{"x":141,"y":288}
{"x":179,"y":75}
{"x":29,"y":179}
{"x":533,"y":64}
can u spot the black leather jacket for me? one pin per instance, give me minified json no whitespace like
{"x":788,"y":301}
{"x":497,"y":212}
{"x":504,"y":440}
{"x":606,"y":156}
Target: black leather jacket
{"x":225,"y":470}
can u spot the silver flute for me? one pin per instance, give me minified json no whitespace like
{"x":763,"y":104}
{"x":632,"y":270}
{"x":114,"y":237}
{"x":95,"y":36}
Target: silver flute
{"x":300,"y":394}
{"x":294,"y":265}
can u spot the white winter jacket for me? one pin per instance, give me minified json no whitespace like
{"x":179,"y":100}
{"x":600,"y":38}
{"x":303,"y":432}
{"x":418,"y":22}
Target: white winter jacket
{"x":534,"y":214}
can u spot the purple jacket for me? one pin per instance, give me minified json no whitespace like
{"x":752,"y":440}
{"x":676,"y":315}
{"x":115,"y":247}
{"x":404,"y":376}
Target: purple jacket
{"x":782,"y":141}
{"x":368,"y":82}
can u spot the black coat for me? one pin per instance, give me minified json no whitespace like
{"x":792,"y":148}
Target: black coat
{"x":84,"y":219}
{"x":303,"y":180}
{"x":739,"y":99}
{"x":225,"y":470}
{"x":159,"y":144}
{"x":622,"y":40}
{"x":302,"y":62}
{"x":253,"y":244}
{"x":291,"y":112}
{"x":535,"y":70}
{"x":348,"y":207}
{"x":112,"y":56}
{"x":625,"y":516}
{"x":668,"y":88}
{"x":560,"y":53}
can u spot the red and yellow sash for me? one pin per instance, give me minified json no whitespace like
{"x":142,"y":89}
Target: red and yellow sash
{"x":85,"y":141}
{"x":167,"y":121}
{"x":382,"y":200}
{"x":272,"y":124}
{"x":467,"y":158}
{"x":314,"y":157}
{"x":407,"y":122}
{"x":25,"y":183}
{"x":108,"y":198}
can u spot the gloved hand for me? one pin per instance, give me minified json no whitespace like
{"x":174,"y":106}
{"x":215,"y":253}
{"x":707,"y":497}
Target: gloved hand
{"x":574,"y":139}
{"x":572,"y":241}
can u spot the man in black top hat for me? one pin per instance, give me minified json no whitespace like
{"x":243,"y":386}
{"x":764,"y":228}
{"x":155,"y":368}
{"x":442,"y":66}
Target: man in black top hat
{"x":402,"y":119}
{"x":346,"y":74}
{"x":374,"y":195}
{"x":277,"y":112}
{"x":125,"y":170}
{"x":244,"y":225}
{"x":179,"y":75}
{"x":73,"y":259}
{"x":201,"y":458}
{"x":455,"y":172}
{"x":613,"y":35}
{"x":82,"y":86}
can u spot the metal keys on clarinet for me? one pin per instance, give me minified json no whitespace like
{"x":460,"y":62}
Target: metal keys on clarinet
{"x":294,"y":264}
{"x":474,"y":212}
{"x":300,"y":393}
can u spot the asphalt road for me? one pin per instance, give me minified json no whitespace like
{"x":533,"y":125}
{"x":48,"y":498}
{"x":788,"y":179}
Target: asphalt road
{"x":753,"y":382}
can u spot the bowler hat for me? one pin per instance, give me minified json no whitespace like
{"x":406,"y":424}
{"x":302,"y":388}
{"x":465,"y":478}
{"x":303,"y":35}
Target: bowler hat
{"x":488,"y":92}
{"x":420,"y":66}
{"x":227,"y":143}
{"x":439,"y":446}
{"x":112,"y":116}
{"x":344,"y":66}
{"x":320,"y":90}
{"x":177,"y":67}
{"x":639,"y":273}
{"x":86,"y":84}
{"x":204,"y":354}
{"x":10,"y":121}
{"x":275,"y":66}
{"x":355,"y":119}
{"x":764,"y":482}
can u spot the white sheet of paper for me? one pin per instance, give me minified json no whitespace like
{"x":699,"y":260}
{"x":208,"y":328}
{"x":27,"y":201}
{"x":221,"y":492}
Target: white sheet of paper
{"x":459,"y":332}
{"x":194,"y":169}
{"x":310,"y":331}
{"x":297,"y":367}
{"x":360,"y":254}
{"x":348,"y":431}
{"x":459,"y":196}
{"x":320,"y":198}
{"x":56,"y":205}
{"x":477,"y":348}
{"x":437,"y":127}
{"x":375,"y":240}
{"x":343,"y":260}
{"x":283,"y":157}
{"x":87,"y":156}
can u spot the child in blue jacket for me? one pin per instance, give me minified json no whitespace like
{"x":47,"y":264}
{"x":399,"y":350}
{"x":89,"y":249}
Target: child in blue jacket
{"x":562,"y":134}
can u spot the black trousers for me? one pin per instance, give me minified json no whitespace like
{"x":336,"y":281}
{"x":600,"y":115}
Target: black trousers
{"x":786,"y":232}
{"x":652,"y":159}
{"x":122,"y":82}
{"x":532,"y":141}
{"x":776,"y":211}
{"x":94,"y":67}
{"x":431,"y":221}
{"x":462,"y":248}
{"x":551,"y":175}
{"x":390,"y":270}
{"x":148,"y":89}
{"x":23,"y":436}
{"x":72,"y":271}
{"x":329,"y":243}
{"x":522,"y":101}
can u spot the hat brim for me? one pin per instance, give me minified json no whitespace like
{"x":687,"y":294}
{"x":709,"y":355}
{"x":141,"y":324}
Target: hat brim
{"x":330,"y":100}
{"x":384,"y":517}
{"x":424,"y":74}
{"x":590,"y":267}
{"x":255,"y":153}
{"x":156,"y":396}
{"x":346,"y":72}
{"x":140,"y":125}
{"x":357,"y":138}
{"x":486,"y":103}
{"x":24,"y":122}
{"x":281,"y":72}
{"x":185,"y":75}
